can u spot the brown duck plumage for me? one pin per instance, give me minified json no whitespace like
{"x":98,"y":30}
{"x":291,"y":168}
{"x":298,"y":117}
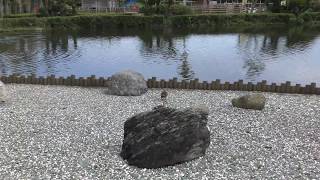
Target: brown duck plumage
{"x":164,"y":94}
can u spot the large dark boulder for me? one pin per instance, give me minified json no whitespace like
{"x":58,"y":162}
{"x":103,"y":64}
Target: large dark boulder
{"x":253,"y":101}
{"x":127,"y":83}
{"x":165,"y":136}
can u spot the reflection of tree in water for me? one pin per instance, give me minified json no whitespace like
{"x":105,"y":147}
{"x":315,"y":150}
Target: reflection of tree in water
{"x":18,"y":54}
{"x":58,"y":42}
{"x":159,"y":45}
{"x":184,"y":68}
{"x":25,"y":54}
{"x":167,"y":47}
{"x":260,"y":49}
{"x":300,"y":38}
{"x":28,"y":54}
{"x":56,"y":50}
{"x":270,"y":44}
{"x":250,"y":45}
{"x":254,"y":68}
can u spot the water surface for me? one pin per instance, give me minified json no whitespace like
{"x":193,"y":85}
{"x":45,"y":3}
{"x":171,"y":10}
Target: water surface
{"x":277,"y":55}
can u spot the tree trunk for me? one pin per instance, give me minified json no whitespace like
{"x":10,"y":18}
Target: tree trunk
{"x":6,"y":7}
{"x":1,"y":8}
{"x":253,"y":5}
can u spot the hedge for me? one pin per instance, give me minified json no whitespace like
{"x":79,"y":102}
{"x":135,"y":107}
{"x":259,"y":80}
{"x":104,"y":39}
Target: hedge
{"x":311,"y":17}
{"x":106,"y":21}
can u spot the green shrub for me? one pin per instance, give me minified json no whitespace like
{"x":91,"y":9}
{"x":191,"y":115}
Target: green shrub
{"x":20,"y":15}
{"x":297,"y":6}
{"x":152,"y":10}
{"x":300,"y":21}
{"x":311,"y":17}
{"x":180,"y":10}
{"x":316,"y":6}
{"x":164,"y":9}
{"x":59,"y":8}
{"x":22,"y":22}
{"x":148,"y":10}
{"x":306,"y":17}
{"x":43,"y":12}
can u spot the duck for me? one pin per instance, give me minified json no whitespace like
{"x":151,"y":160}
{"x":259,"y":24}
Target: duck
{"x":164,"y":95}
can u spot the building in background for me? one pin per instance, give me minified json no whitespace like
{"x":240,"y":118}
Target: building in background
{"x":99,"y":5}
{"x":107,"y":5}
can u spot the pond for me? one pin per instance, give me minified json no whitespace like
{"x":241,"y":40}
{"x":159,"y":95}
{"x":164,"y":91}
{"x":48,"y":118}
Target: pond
{"x":276,"y":55}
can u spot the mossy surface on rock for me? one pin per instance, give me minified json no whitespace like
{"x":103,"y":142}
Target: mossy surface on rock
{"x":254,"y":101}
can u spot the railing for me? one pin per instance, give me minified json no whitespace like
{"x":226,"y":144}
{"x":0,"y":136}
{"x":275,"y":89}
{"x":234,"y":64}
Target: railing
{"x":229,"y":8}
{"x":126,"y":9}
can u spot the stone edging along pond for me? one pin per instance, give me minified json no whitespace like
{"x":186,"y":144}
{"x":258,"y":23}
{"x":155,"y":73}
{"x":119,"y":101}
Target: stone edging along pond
{"x":195,"y":84}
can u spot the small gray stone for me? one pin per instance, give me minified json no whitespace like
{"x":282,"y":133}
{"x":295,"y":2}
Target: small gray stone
{"x":253,"y":101}
{"x":3,"y":93}
{"x":165,"y":136}
{"x":127,"y":83}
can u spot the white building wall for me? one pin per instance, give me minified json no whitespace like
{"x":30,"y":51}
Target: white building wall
{"x":99,"y":5}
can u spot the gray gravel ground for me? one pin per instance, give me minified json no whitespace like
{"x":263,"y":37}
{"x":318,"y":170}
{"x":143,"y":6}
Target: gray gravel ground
{"x":76,"y":133}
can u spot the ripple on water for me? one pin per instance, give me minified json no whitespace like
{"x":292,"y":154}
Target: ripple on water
{"x":230,"y":57}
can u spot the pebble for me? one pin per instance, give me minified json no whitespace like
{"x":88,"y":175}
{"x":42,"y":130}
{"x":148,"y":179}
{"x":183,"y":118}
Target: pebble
{"x":58,"y":132}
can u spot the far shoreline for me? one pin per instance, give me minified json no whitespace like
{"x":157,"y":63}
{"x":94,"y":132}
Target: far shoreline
{"x":106,"y":21}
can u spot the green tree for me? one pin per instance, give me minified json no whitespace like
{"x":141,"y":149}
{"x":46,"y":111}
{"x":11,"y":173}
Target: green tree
{"x":298,"y":6}
{"x":7,"y":7}
{"x":74,"y":4}
{"x":170,"y":3}
{"x":276,"y":5}
{"x":315,"y":5}
{"x":59,"y":7}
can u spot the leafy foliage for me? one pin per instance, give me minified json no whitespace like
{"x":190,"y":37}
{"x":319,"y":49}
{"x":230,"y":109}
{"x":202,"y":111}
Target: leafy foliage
{"x":276,"y":5}
{"x":166,"y":9}
{"x":294,"y":6}
{"x":163,"y":7}
{"x":315,"y":5}
{"x":298,"y":6}
{"x":59,"y":8}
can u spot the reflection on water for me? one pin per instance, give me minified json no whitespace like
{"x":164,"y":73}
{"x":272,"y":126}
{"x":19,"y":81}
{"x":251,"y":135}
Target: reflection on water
{"x":276,"y":55}
{"x":35,"y":53}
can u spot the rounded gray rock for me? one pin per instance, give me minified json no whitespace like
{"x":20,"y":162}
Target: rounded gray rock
{"x":252,"y":101}
{"x":165,"y":136}
{"x":3,"y":93}
{"x":127,"y":83}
